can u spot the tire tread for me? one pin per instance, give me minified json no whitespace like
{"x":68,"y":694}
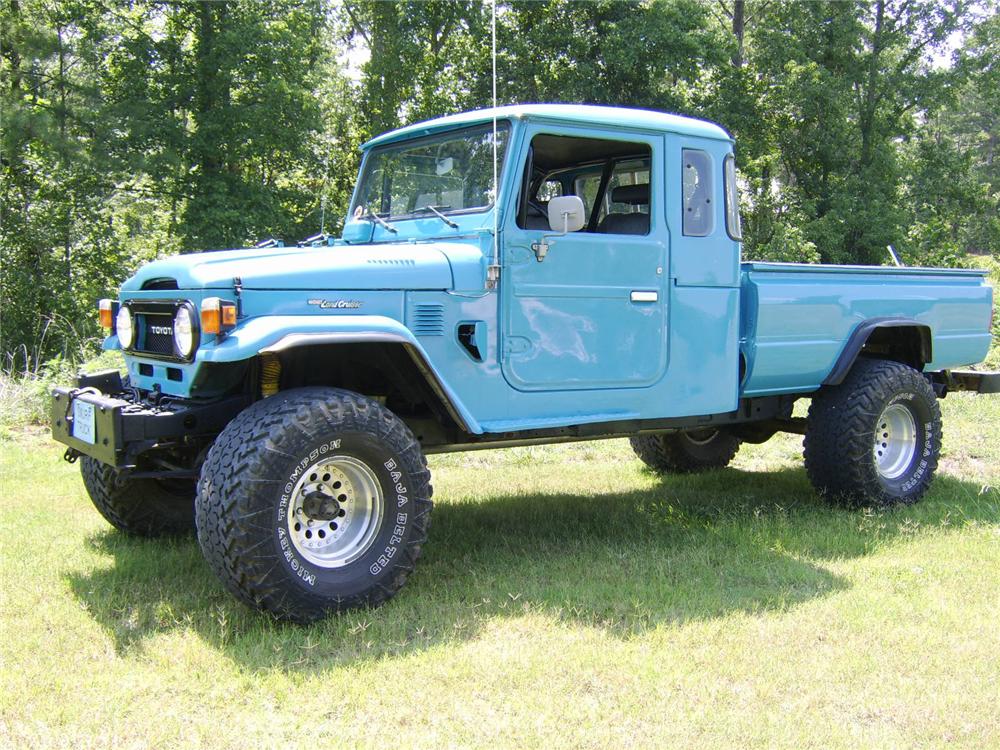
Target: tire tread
{"x":838,"y":439}
{"x":670,"y":453}
{"x":229,"y":496}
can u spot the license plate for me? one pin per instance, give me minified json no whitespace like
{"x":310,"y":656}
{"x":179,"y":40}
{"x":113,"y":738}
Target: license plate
{"x":83,"y":422}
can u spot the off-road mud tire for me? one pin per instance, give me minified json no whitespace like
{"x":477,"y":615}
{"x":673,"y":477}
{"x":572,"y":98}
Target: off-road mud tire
{"x":841,"y":431}
{"x":243,"y":502}
{"x":143,"y":507}
{"x":686,"y":452}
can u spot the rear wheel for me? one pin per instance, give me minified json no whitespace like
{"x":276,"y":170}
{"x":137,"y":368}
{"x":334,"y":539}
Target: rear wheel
{"x":144,"y":507}
{"x":690,"y":451}
{"x":313,"y":501}
{"x":874,"y":440}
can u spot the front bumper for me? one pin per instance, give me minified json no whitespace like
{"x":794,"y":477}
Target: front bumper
{"x":103,"y":419}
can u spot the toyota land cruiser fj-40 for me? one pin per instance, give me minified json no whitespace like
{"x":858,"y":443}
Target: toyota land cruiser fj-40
{"x":525,"y":275}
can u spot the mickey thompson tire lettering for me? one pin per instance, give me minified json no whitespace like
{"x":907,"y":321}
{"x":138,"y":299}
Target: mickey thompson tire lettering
{"x":144,"y":507}
{"x":841,"y":432}
{"x":246,"y":509}
{"x":686,"y":452}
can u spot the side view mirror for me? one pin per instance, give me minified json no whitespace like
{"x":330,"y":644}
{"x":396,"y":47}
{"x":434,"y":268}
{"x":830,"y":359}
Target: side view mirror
{"x":566,"y":214}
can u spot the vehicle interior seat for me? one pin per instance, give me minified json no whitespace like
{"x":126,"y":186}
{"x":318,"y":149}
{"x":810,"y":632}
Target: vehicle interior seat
{"x":630,"y":223}
{"x":537,"y":215}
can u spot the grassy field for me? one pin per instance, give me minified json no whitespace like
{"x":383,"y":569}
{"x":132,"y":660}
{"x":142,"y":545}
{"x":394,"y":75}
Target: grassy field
{"x":567,"y":598}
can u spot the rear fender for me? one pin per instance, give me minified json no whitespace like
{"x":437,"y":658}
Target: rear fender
{"x":902,"y":339}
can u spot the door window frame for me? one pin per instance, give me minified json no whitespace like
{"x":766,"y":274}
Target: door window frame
{"x":652,"y":140}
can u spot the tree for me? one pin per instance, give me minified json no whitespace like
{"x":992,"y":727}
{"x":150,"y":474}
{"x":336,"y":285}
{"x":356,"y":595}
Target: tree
{"x":221,"y":109}
{"x":53,"y":198}
{"x":143,"y":129}
{"x":848,"y":81}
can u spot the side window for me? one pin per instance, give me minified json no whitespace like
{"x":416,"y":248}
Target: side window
{"x":628,"y":174}
{"x":618,"y":198}
{"x":697,"y":190}
{"x":587,"y":186}
{"x":611,"y":178}
{"x":733,"y":226}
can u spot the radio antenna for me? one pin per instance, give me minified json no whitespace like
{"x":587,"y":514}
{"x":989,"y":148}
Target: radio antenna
{"x":493,"y":273}
{"x":322,"y":199}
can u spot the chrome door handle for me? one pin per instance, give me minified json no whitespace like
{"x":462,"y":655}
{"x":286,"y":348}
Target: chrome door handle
{"x":645,"y":296}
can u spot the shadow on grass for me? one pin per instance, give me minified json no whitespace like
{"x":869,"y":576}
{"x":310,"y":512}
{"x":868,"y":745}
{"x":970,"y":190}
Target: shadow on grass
{"x":689,"y":548}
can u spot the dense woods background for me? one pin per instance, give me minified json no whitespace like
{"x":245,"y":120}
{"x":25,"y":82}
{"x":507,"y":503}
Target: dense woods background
{"x":138,"y":128}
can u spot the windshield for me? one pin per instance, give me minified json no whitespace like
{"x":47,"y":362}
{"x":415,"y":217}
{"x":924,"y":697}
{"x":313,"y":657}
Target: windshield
{"x":453,"y":173}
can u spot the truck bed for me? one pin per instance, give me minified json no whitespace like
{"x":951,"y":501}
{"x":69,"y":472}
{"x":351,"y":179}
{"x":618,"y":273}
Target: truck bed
{"x":797,"y":318}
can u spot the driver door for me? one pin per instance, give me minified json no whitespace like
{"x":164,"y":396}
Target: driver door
{"x":593,"y":313}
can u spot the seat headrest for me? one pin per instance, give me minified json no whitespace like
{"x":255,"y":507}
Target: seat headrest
{"x":634,"y":195}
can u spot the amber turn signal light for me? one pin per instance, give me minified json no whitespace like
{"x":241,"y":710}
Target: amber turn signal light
{"x":106,"y":313}
{"x":217,"y":315}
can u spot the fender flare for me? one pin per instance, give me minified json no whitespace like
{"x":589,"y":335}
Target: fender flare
{"x":274,"y":334}
{"x":859,"y":337}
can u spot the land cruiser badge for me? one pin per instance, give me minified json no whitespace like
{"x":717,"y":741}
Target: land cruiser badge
{"x":335,"y":304}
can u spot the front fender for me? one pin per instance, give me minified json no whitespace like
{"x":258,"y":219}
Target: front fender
{"x":277,"y":333}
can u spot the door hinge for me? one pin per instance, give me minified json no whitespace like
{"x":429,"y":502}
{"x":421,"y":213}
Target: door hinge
{"x":492,"y":276}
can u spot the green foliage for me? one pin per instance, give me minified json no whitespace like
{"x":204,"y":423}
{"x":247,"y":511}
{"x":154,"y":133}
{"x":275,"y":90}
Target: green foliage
{"x":788,"y":244}
{"x":845,"y":81}
{"x":140,"y":130}
{"x":24,"y":395}
{"x":650,"y":55}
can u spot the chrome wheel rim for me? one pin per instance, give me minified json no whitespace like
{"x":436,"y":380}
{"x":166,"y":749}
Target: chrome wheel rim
{"x":335,"y":511}
{"x":895,"y":441}
{"x":701,"y":437}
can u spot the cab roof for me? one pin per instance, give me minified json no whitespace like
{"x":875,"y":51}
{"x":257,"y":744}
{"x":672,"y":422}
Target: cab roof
{"x":577,"y":114}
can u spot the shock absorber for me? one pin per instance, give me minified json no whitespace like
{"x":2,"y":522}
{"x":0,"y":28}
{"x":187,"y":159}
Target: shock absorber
{"x":270,"y":374}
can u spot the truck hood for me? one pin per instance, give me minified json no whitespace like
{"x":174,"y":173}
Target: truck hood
{"x":429,"y":265}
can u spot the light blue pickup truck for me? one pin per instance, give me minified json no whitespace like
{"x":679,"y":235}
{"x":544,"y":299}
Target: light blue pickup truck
{"x":524,"y":275}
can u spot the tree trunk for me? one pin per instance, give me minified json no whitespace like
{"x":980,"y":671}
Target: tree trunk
{"x":867,"y":121}
{"x":739,"y":24}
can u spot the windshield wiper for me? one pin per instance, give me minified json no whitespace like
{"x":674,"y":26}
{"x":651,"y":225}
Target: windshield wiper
{"x":372,"y":216}
{"x":434,"y":210}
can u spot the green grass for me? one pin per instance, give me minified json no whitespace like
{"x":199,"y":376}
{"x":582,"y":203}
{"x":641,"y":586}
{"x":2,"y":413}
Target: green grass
{"x":567,"y":598}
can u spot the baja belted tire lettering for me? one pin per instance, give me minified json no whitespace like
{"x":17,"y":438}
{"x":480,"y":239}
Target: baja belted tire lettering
{"x":248,"y":520}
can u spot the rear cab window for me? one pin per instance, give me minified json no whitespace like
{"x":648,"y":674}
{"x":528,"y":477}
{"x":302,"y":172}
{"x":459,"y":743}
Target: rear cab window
{"x":733,"y":226}
{"x":697,"y":192}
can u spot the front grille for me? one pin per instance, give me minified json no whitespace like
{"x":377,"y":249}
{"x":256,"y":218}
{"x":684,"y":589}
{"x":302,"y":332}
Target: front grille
{"x":156,"y":334}
{"x":154,"y":327}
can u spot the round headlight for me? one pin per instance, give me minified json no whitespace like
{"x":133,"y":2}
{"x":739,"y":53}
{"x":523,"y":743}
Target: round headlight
{"x":123,"y":327}
{"x":184,"y":332}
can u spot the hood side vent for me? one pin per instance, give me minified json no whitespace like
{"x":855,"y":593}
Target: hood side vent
{"x":427,"y":319}
{"x":160,"y":284}
{"x":392,"y":261}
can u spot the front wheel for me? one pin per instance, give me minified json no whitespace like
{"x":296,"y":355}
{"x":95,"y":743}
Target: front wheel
{"x":874,"y":440}
{"x":313,"y":501}
{"x":143,"y":507}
